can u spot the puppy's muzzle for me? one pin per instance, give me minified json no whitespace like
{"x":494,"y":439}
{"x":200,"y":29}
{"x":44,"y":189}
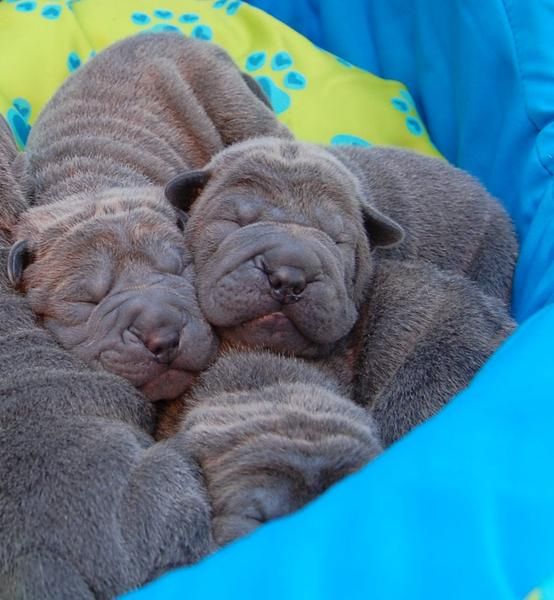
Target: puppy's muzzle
{"x":158,"y":326}
{"x":289,"y":270}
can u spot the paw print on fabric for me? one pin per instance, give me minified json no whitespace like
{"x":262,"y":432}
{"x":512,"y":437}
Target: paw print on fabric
{"x":231,"y":8}
{"x":280,"y":65}
{"x":74,"y":60}
{"x":405,"y":103}
{"x":347,"y":139}
{"x":18,"y":118}
{"x":163,"y":20}
{"x":50,"y":11}
{"x":27,"y":6}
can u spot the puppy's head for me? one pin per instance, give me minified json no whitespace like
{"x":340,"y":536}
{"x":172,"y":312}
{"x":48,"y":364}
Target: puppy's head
{"x":110,"y":277}
{"x":281,"y":242}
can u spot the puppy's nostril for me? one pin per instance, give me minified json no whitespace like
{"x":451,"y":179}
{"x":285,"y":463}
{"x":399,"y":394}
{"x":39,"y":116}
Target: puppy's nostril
{"x":287,"y":284}
{"x":288,"y":278}
{"x":164,"y":347}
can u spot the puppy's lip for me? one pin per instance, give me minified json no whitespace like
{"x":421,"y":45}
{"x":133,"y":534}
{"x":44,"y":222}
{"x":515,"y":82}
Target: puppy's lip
{"x":275,"y":319}
{"x":156,"y":381}
{"x":274,"y":331}
{"x":169,"y":385}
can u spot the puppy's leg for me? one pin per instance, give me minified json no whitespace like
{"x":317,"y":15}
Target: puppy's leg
{"x":265,"y":452}
{"x":164,"y":510}
{"x":428,"y":333}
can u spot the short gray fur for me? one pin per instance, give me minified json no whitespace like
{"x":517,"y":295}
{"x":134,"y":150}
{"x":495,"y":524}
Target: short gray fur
{"x":271,"y":433}
{"x":89,"y":506}
{"x":423,"y":335}
{"x":448,"y":217}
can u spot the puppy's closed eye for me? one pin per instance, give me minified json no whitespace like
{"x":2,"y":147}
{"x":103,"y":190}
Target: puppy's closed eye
{"x":247,"y":212}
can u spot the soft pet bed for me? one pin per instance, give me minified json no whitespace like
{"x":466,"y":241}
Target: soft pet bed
{"x":462,"y":507}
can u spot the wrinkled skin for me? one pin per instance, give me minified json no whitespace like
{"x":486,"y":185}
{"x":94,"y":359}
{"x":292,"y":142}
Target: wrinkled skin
{"x":273,"y":218}
{"x":112,"y":280}
{"x":270,"y":434}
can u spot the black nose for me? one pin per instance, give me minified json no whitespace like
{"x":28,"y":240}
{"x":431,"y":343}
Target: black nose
{"x":163,"y":346}
{"x":287,"y":284}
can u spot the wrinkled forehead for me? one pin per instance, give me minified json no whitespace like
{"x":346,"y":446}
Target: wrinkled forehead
{"x":291,"y":176}
{"x":138,"y":236}
{"x":54,"y":219}
{"x":108,"y":245}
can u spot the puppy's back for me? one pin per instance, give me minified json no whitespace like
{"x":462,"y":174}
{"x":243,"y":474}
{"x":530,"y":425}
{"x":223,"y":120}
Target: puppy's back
{"x":140,"y":112}
{"x":448,"y":216}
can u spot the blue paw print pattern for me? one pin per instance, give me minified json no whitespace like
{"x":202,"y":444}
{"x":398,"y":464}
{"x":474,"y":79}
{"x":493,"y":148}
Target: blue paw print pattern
{"x":26,"y":6}
{"x":404,"y":103}
{"x":346,"y":139}
{"x":18,"y":118}
{"x":163,"y":20}
{"x":74,"y":60}
{"x":231,"y":7}
{"x":281,"y":62}
{"x":51,"y":11}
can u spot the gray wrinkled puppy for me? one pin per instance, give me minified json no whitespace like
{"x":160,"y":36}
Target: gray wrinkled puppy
{"x":90,"y":506}
{"x":270,"y":433}
{"x":286,"y":239}
{"x":281,"y":233}
{"x":102,"y":257}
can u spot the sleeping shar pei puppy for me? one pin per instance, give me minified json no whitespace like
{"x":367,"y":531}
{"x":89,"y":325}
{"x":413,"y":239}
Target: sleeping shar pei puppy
{"x":270,"y":433}
{"x":90,"y":505}
{"x":286,"y":238}
{"x":102,"y":257}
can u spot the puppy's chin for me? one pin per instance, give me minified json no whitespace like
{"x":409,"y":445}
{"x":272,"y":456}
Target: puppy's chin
{"x":275,"y":332}
{"x":169,"y":385}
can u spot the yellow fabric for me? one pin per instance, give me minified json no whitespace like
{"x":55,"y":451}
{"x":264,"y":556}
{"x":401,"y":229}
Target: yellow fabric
{"x":320,"y":97}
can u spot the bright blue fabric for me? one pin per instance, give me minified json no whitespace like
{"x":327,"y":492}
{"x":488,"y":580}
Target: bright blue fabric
{"x":463,"y":507}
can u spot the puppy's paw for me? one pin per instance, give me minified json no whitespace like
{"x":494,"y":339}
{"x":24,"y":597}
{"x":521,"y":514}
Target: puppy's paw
{"x":251,"y":504}
{"x":267,"y":453}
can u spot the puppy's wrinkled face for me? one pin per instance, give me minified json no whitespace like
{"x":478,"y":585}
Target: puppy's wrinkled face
{"x":110,"y":277}
{"x":280,"y":245}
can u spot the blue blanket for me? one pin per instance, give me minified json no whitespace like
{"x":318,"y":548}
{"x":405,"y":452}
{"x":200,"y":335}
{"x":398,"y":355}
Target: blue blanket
{"x":463,"y":507}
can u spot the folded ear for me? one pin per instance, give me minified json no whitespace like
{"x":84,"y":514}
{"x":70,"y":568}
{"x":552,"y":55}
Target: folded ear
{"x":19,"y":258}
{"x":382,"y":231}
{"x":183,"y":189}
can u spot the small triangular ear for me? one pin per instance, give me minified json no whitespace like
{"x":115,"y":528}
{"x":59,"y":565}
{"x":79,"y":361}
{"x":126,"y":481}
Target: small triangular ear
{"x":19,"y":258}
{"x":183,"y":189}
{"x":382,"y":231}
